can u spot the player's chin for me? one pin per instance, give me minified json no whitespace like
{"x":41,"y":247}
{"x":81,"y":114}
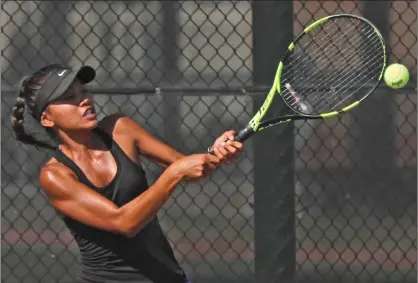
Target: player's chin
{"x":92,"y":124}
{"x":88,"y":125}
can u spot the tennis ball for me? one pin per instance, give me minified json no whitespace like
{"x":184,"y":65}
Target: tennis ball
{"x":396,"y":76}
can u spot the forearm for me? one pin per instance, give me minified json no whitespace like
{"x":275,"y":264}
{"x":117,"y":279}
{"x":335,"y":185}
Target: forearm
{"x":137,"y":213}
{"x":175,"y":156}
{"x":167,"y":159}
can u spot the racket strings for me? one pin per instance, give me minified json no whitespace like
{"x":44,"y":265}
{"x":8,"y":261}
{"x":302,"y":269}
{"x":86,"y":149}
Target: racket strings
{"x":352,"y":79}
{"x":335,"y":43}
{"x":319,"y":44}
{"x":348,"y":96}
{"x":336,"y":99}
{"x":318,"y":69}
{"x":305,"y":48}
{"x":321,"y":52}
{"x":301,"y":49}
{"x":329,"y":78}
{"x":377,"y":66}
{"x":345,"y":80}
{"x":309,"y":42}
{"x":346,"y":65}
{"x":340,"y":78}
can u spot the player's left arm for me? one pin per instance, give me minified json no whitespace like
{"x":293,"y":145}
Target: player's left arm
{"x":148,"y":146}
{"x":164,"y":155}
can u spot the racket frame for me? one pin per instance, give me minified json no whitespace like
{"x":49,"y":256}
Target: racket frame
{"x":256,"y":125}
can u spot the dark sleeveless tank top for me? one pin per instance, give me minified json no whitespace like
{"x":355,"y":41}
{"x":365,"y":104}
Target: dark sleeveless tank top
{"x":109,"y":257}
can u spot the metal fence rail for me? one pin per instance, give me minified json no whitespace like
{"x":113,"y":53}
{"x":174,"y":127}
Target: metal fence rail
{"x":184,"y":70}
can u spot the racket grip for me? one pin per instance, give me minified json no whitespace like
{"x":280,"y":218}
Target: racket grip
{"x":244,"y":134}
{"x":240,"y":137}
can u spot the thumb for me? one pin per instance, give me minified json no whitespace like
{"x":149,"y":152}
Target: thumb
{"x":229,"y":135}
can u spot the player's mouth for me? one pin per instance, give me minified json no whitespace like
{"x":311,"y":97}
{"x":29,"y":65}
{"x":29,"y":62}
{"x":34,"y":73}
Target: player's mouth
{"x":90,"y":113}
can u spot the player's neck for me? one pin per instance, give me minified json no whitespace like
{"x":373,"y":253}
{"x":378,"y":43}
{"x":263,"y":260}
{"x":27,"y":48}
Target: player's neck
{"x":77,"y":141}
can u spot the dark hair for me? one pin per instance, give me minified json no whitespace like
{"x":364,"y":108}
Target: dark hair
{"x":29,"y":90}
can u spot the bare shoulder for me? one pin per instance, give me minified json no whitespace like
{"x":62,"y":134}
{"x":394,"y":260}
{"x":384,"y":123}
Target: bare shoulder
{"x":118,"y":124}
{"x":52,"y":173}
{"x":53,"y":165}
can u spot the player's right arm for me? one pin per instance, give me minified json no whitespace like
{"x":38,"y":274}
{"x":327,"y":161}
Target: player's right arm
{"x":74,"y":199}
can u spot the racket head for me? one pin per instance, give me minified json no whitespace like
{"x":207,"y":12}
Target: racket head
{"x":331,"y":66}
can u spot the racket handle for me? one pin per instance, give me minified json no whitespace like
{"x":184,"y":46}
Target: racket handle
{"x":244,"y":134}
{"x":240,"y":137}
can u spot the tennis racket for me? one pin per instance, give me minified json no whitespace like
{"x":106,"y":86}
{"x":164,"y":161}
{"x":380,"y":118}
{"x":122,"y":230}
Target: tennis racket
{"x":330,"y":68}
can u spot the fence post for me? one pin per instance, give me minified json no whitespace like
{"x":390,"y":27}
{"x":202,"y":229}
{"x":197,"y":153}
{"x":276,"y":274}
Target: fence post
{"x":378,"y":13}
{"x":275,"y":255}
{"x":170,"y":101}
{"x":377,"y":154}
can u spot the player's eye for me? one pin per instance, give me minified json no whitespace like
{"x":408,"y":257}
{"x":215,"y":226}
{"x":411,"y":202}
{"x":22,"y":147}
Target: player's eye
{"x":69,"y":97}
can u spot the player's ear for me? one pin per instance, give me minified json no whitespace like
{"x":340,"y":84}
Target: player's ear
{"x":46,"y":120}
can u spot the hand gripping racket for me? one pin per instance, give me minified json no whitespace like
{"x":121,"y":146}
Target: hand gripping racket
{"x":330,"y":68}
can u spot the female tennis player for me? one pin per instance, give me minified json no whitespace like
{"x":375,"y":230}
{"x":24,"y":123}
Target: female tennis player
{"x":96,"y":181}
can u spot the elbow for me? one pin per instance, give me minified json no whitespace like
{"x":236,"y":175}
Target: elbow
{"x":125,"y":227}
{"x":128,"y":233}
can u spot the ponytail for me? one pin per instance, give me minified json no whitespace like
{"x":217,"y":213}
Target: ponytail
{"x":17,"y":120}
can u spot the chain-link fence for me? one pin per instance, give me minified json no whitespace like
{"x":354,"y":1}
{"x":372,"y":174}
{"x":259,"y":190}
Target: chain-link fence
{"x":186,"y":71}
